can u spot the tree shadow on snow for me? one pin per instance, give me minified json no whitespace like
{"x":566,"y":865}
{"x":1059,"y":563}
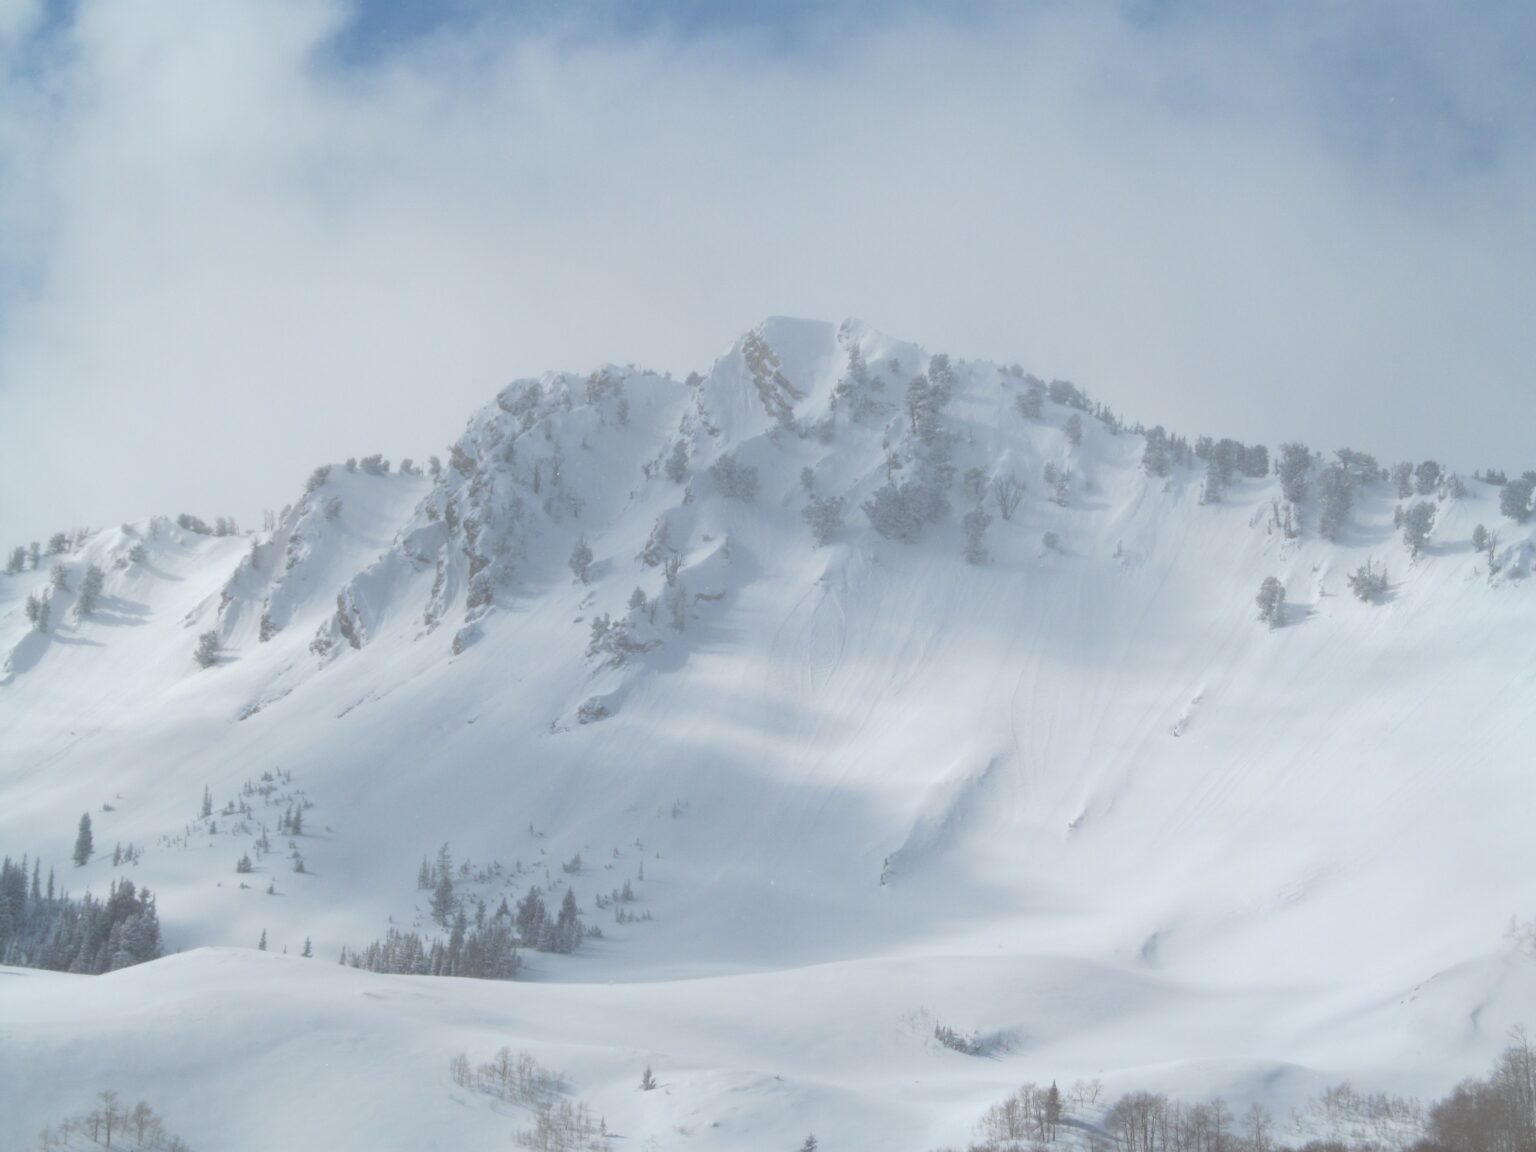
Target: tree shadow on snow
{"x":158,"y":573}
{"x":1293,"y":615}
{"x":30,"y":648}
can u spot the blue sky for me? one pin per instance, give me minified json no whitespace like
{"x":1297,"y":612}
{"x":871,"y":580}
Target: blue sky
{"x":1268,"y":221}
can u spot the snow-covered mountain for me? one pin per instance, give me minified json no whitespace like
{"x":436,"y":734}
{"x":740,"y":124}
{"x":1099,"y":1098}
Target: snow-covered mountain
{"x":870,"y":754}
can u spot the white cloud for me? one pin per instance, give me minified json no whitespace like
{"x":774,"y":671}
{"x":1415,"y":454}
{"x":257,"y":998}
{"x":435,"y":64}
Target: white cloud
{"x":243,"y":259}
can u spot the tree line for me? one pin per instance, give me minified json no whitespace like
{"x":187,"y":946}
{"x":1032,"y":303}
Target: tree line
{"x":43,"y":927}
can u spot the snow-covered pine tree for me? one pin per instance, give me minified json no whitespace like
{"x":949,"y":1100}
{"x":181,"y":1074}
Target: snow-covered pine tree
{"x":677,"y":463}
{"x":443,"y":901}
{"x":1418,"y":523}
{"x":207,"y":651}
{"x":84,"y":841}
{"x":1294,"y":464}
{"x":90,"y":590}
{"x":976,"y":523}
{"x":581,"y":560}
{"x":1271,"y":602}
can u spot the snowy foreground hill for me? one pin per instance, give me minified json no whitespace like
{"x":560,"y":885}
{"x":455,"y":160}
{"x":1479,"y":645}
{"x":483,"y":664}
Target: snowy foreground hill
{"x":870,"y":763}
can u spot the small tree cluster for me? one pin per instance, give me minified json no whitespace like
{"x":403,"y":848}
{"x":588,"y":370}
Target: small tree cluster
{"x":1370,"y":1122}
{"x":1030,"y":1114}
{"x":563,"y":1126}
{"x":1060,"y":482}
{"x":561,"y":933}
{"x":610,"y":639}
{"x":900,"y":512}
{"x":481,"y":953}
{"x":38,"y":610}
{"x":1368,"y":582}
{"x":112,"y":1124}
{"x":189,"y":523}
{"x":825,"y":517}
{"x":515,"y":1077}
{"x":966,"y":1043}
{"x":44,"y":928}
{"x":735,"y":481}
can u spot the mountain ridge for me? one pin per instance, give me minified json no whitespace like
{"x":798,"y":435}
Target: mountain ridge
{"x":1079,"y":752}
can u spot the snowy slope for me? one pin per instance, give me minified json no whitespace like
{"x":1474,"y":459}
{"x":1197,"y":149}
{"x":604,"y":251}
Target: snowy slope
{"x":1076,"y":796}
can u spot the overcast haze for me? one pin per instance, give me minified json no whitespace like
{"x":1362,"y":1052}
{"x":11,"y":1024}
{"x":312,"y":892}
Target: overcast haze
{"x":243,"y":239}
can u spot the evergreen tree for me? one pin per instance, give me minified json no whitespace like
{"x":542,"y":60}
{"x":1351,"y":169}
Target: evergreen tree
{"x":1337,"y":489}
{"x":1214,"y":484}
{"x":90,"y":590}
{"x":1271,"y":602}
{"x":735,"y":480}
{"x":976,"y":523}
{"x":677,"y":463}
{"x":530,"y":918}
{"x":1515,"y":498}
{"x":261,"y":945}
{"x":1426,"y":478}
{"x":568,"y":924}
{"x":581,"y":560}
{"x":207,"y":651}
{"x":1418,"y":522}
{"x":1294,"y":464}
{"x":84,"y":844}
{"x":1256,"y":461}
{"x":443,"y":902}
{"x":1368,"y":582}
{"x":38,"y":609}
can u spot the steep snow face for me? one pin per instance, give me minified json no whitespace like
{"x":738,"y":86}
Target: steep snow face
{"x":865,"y":657}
